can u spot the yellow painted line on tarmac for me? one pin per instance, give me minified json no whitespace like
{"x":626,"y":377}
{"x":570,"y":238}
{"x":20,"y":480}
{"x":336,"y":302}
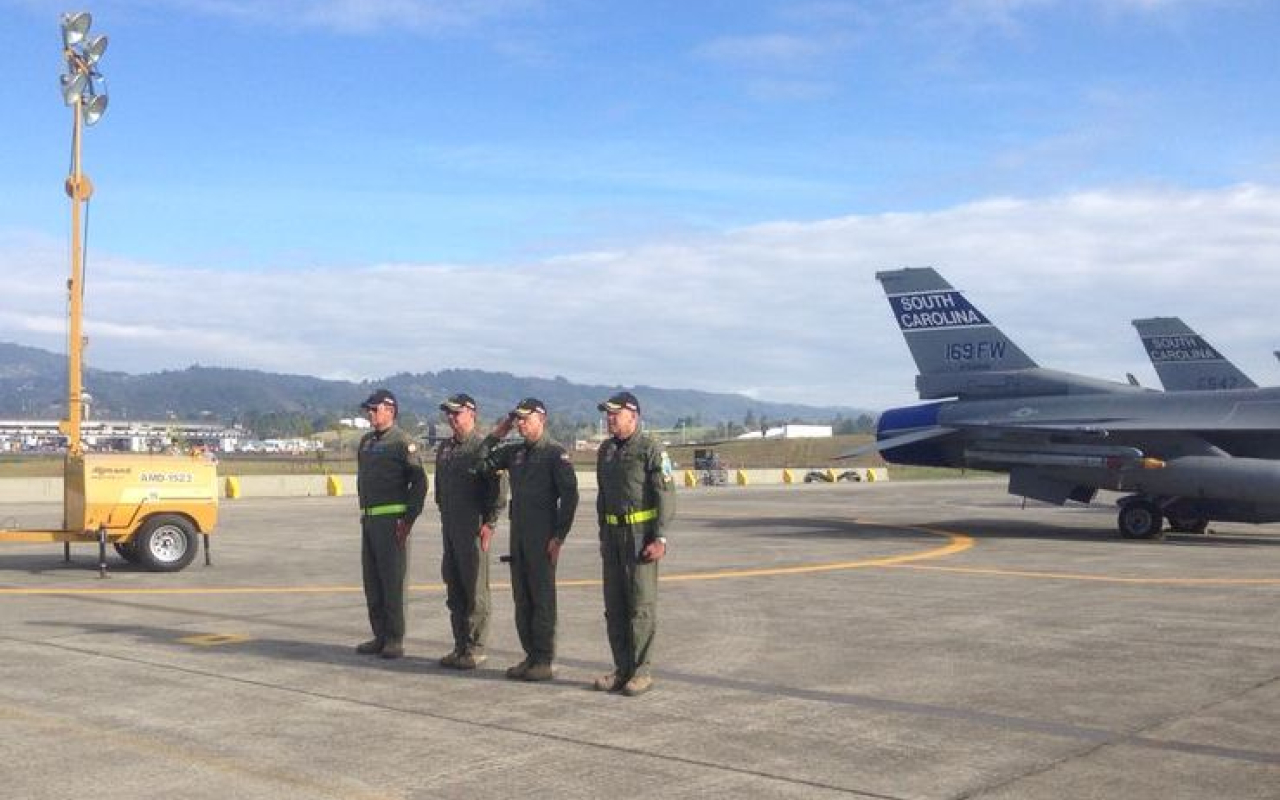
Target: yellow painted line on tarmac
{"x":1081,"y":576}
{"x":190,"y":590}
{"x":214,"y":639}
{"x":956,"y":543}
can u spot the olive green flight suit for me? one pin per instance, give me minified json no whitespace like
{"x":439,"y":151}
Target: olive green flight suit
{"x":544,"y":497}
{"x":634,"y":504}
{"x":392,"y":486}
{"x":467,"y":499}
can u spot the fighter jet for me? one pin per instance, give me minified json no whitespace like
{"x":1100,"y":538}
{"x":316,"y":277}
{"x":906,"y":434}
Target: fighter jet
{"x":1189,"y":457}
{"x":1184,"y":360}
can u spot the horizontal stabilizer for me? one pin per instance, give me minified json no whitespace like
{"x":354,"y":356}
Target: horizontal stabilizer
{"x":1030,"y":382}
{"x":891,"y":442}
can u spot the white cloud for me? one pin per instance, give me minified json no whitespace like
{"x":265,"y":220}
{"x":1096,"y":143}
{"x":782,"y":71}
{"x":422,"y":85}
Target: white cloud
{"x":429,"y":16}
{"x":959,"y":30}
{"x":1002,"y":13}
{"x":762,"y":48}
{"x":775,"y":89}
{"x":788,"y":310}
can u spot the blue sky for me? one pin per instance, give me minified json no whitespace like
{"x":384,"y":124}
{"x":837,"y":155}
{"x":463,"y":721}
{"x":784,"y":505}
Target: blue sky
{"x":692,"y":195}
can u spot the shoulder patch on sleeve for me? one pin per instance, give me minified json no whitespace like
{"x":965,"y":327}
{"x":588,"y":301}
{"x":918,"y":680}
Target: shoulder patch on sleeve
{"x":666,"y":465}
{"x":413,"y":448}
{"x":564,"y":456}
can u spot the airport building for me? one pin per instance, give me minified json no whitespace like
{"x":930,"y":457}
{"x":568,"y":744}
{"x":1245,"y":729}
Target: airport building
{"x":791,"y":431}
{"x":30,"y":435}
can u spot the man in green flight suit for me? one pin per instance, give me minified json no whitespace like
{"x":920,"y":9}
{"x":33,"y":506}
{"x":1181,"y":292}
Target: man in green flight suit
{"x":544,"y":496}
{"x":469,"y":501}
{"x":634,"y":504}
{"x":392,"y":487}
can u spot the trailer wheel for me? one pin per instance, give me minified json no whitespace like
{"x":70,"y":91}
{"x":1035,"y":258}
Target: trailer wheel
{"x":165,"y":543}
{"x":1140,"y":519}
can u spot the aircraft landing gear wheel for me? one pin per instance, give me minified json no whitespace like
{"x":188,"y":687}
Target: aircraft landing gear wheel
{"x":1140,"y":519}
{"x":165,"y":543}
{"x":1188,"y":524}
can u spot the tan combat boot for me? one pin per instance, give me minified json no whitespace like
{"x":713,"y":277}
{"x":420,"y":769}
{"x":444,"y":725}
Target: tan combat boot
{"x":393,"y":648}
{"x":451,"y":660}
{"x":517,"y":672}
{"x":612,"y":682}
{"x":540,"y":671}
{"x":470,"y":660}
{"x":638,"y":685}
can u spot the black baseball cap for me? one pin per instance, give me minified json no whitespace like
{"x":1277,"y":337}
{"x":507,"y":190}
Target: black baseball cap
{"x":379,"y":397}
{"x":529,"y":405}
{"x":457,"y":402}
{"x":620,"y":401}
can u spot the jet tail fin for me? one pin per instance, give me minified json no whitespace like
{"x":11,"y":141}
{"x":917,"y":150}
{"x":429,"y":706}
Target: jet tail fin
{"x":1184,"y":360}
{"x":952,"y":342}
{"x":960,"y":353}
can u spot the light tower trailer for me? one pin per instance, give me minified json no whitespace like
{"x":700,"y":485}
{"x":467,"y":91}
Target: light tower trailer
{"x":149,"y":507}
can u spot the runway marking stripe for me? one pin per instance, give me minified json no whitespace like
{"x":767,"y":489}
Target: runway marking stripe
{"x":182,"y":591}
{"x":214,"y":639}
{"x":957,"y":543}
{"x":1080,"y":576}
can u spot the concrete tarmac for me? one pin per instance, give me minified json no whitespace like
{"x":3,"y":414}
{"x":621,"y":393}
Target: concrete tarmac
{"x":887,"y":640}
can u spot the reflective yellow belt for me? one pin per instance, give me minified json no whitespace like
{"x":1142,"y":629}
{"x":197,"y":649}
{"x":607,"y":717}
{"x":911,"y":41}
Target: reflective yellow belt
{"x":632,"y":518}
{"x":385,"y":510}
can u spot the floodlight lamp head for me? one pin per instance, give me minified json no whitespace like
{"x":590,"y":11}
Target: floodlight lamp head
{"x":73,"y":86}
{"x":94,"y":47}
{"x":94,"y":108}
{"x":75,"y":26}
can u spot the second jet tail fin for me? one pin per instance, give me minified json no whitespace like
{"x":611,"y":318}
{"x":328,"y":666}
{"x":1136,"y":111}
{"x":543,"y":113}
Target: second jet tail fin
{"x":1184,"y":360}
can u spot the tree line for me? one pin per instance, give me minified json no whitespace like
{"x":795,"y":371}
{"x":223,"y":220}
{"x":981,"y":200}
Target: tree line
{"x":564,"y":428}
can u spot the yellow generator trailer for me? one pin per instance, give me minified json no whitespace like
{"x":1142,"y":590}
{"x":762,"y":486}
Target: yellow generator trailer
{"x":149,"y":507}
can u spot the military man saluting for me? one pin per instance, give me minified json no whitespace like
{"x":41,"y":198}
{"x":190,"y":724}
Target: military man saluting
{"x":392,"y":487}
{"x":636,"y":500}
{"x":469,"y":501}
{"x":544,"y":496}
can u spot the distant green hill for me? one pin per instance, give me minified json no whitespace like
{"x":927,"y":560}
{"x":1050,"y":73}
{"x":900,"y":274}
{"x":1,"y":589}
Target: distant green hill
{"x":33,"y":382}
